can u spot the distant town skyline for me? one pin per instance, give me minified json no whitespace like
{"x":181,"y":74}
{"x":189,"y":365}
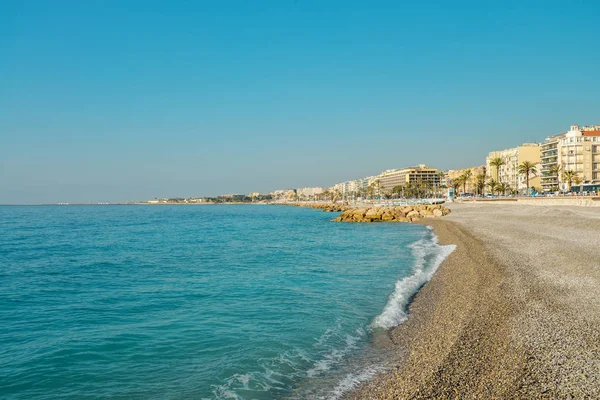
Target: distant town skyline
{"x":106,"y":104}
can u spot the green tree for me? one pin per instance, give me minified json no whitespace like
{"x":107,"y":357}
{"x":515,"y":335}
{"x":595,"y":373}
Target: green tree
{"x":465,"y":177}
{"x":492,"y":185}
{"x":456,"y":183}
{"x":480,"y":183}
{"x":502,"y":188}
{"x":397,"y":190}
{"x":527,"y":168}
{"x":371,"y":190}
{"x":569,"y":176}
{"x":554,"y":170}
{"x":497,"y":162}
{"x":578,"y":181}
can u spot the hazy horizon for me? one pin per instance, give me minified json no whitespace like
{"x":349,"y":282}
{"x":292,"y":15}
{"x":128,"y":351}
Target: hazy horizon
{"x":107,"y":102}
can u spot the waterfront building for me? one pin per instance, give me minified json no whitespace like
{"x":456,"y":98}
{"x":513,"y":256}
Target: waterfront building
{"x":308,"y":193}
{"x":283,"y":194}
{"x":353,"y":188}
{"x":387,"y":180}
{"x":576,"y":150}
{"x":508,"y":173}
{"x":471,"y":184}
{"x":549,"y":170}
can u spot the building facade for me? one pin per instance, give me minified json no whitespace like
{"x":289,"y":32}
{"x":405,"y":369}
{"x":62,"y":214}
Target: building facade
{"x":353,"y":188}
{"x":508,"y":173}
{"x":471,"y":184}
{"x":576,"y":150}
{"x":387,"y":180}
{"x":549,"y":172}
{"x":308,"y":193}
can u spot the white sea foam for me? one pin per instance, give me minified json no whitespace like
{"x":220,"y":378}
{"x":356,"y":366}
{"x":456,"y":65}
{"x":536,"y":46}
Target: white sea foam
{"x":335,"y":355}
{"x":428,"y":256}
{"x":352,"y":380}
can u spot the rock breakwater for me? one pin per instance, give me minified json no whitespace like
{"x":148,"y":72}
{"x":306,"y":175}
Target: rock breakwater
{"x":392,"y":214}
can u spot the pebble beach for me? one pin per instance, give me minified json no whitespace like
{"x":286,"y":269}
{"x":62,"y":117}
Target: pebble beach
{"x":513,"y":312}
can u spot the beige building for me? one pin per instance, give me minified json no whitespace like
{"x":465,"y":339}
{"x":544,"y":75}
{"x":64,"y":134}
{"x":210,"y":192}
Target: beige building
{"x":308,"y":193}
{"x":471,"y":184}
{"x":509,"y":172}
{"x":577,"y":150}
{"x":400,"y":177}
{"x":283,"y":194}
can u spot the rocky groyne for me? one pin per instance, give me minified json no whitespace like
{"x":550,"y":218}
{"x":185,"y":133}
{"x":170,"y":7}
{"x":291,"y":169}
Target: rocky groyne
{"x":392,"y":214}
{"x":407,"y":213}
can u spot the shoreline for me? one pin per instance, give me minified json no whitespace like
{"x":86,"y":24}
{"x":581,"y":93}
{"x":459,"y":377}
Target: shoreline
{"x":438,"y":316}
{"x":487,"y":325}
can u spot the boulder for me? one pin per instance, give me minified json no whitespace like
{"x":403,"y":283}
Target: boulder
{"x":359,"y":212}
{"x":438,"y":213}
{"x":406,"y":209}
{"x":387,"y":217}
{"x":372,"y":212}
{"x":398,"y":213}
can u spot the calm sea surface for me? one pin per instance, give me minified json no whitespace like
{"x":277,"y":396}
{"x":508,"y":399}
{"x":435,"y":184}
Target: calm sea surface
{"x":198,"y":302}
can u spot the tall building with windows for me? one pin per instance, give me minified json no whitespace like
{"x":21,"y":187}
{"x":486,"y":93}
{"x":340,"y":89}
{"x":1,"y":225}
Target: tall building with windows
{"x":576,"y":150}
{"x":400,"y":177}
{"x":508,"y":172}
{"x":549,"y":172}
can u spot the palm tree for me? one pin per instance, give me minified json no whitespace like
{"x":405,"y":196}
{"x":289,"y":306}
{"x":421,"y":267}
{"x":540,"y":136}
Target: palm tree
{"x":555,"y":170}
{"x":578,"y":182}
{"x":502,"y":188}
{"x":497,"y":162}
{"x":441,"y":176}
{"x":526,"y":168}
{"x":397,"y":190}
{"x":569,"y":176}
{"x":465,"y":179}
{"x":456,"y":183}
{"x":492,"y":184}
{"x":480,"y":185}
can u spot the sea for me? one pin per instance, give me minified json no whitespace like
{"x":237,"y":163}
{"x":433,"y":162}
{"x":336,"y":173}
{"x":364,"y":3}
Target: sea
{"x":200,"y":301}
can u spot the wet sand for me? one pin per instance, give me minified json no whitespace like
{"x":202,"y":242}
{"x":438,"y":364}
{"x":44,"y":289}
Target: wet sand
{"x":514,"y":312}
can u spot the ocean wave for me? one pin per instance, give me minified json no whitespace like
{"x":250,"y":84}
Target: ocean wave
{"x":352,"y":380}
{"x":276,"y":373}
{"x":428,"y":256}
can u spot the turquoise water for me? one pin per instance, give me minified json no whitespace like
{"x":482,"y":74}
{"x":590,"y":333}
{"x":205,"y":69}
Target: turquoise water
{"x":198,"y":302}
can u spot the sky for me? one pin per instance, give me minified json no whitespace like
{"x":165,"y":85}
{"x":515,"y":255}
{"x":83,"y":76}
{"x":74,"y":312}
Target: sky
{"x":132,"y":100}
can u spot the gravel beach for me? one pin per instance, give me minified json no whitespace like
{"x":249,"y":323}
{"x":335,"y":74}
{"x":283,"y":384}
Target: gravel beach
{"x":514,"y":312}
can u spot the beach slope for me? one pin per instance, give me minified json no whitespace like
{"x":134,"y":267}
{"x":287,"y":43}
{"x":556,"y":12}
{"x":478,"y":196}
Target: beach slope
{"x":514,"y":312}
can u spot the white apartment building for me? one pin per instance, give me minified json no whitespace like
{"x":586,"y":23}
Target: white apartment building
{"x":576,"y":150}
{"x":354,"y":187}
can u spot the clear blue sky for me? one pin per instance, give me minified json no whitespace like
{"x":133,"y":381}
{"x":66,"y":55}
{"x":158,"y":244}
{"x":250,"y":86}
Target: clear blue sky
{"x":129,"y":100}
